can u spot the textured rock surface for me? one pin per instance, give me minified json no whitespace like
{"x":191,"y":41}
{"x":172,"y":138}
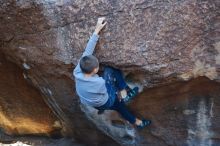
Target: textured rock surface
{"x":154,"y":42}
{"x":182,"y":113}
{"x":163,"y":39}
{"x":22,"y":108}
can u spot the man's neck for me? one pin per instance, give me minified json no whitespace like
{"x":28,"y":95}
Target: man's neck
{"x":88,"y":75}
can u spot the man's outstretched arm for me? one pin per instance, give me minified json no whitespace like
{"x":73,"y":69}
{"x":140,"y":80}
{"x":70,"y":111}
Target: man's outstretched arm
{"x":92,"y":41}
{"x":94,"y":38}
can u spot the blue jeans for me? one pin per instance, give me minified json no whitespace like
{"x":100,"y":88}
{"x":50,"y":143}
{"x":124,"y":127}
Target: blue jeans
{"x":115,"y":82}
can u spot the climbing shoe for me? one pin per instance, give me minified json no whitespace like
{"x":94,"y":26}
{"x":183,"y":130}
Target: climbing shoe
{"x":144,"y":124}
{"x":130,"y":94}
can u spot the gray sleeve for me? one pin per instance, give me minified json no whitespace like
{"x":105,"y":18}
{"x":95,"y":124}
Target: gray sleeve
{"x":88,"y":51}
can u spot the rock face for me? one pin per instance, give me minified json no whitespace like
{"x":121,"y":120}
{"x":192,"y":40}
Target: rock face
{"x":183,"y":113}
{"x":23,"y":110}
{"x":154,"y":42}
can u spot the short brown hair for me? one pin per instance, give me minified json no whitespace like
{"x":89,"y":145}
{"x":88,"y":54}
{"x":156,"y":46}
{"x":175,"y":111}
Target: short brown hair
{"x":88,"y":64}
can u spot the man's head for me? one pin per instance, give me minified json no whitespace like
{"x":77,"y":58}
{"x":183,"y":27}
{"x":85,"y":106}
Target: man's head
{"x":89,"y":64}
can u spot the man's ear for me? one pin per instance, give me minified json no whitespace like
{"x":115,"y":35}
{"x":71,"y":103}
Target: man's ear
{"x":95,"y":70}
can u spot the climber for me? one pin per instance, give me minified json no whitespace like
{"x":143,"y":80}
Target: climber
{"x":103,"y":93}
